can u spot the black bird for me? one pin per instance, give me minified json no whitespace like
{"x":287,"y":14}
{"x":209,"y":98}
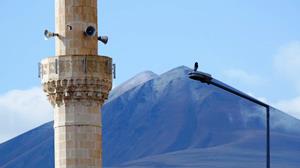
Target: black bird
{"x":196,"y":66}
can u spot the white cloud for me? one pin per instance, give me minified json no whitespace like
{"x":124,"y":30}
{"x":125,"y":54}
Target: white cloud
{"x":291,"y":106}
{"x":287,"y":62}
{"x":239,"y":75}
{"x":22,"y":110}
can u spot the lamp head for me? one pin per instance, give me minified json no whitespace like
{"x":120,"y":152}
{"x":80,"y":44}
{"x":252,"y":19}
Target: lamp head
{"x":201,"y":76}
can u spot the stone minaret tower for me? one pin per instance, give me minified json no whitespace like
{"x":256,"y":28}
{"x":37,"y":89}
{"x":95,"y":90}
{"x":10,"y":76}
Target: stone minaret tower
{"x":77,"y":82}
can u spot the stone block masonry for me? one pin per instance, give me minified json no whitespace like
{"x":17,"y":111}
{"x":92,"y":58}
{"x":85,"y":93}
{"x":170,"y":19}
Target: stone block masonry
{"x":77,"y":81}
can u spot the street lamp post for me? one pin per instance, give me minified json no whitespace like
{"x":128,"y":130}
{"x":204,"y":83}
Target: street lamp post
{"x":207,"y":78}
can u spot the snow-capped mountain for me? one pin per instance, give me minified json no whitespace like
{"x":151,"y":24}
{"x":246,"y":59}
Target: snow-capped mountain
{"x":172,"y":121}
{"x":132,"y":83}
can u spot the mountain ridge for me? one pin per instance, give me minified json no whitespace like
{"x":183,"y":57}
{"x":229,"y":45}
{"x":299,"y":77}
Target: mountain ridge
{"x":133,"y":82}
{"x":169,"y":114}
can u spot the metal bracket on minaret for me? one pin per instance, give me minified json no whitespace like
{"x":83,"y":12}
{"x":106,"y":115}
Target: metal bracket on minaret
{"x":39,"y":70}
{"x":114,"y":70}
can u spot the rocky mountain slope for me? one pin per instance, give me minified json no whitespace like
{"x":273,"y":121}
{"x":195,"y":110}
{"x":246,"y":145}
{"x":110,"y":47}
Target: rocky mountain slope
{"x":172,"y":121}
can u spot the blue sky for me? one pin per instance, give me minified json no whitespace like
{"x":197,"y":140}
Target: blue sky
{"x":252,"y":45}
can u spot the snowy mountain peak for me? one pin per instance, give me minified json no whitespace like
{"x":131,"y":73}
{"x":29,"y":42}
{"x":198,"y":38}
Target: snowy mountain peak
{"x":177,"y":72}
{"x":164,"y":79}
{"x":133,"y":82}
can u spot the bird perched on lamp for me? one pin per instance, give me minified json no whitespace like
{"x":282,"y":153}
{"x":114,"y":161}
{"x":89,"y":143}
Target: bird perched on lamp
{"x":196,"y":66}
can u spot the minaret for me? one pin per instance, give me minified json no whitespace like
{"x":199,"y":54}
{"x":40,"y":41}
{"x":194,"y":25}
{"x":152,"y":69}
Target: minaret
{"x":77,"y":82}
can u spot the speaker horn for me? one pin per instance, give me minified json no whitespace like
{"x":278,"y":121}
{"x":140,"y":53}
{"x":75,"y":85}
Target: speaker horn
{"x":90,"y":31}
{"x":49,"y":34}
{"x":103,"y":39}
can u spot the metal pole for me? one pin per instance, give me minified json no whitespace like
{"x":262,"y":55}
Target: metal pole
{"x":268,"y":137}
{"x":259,"y":103}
